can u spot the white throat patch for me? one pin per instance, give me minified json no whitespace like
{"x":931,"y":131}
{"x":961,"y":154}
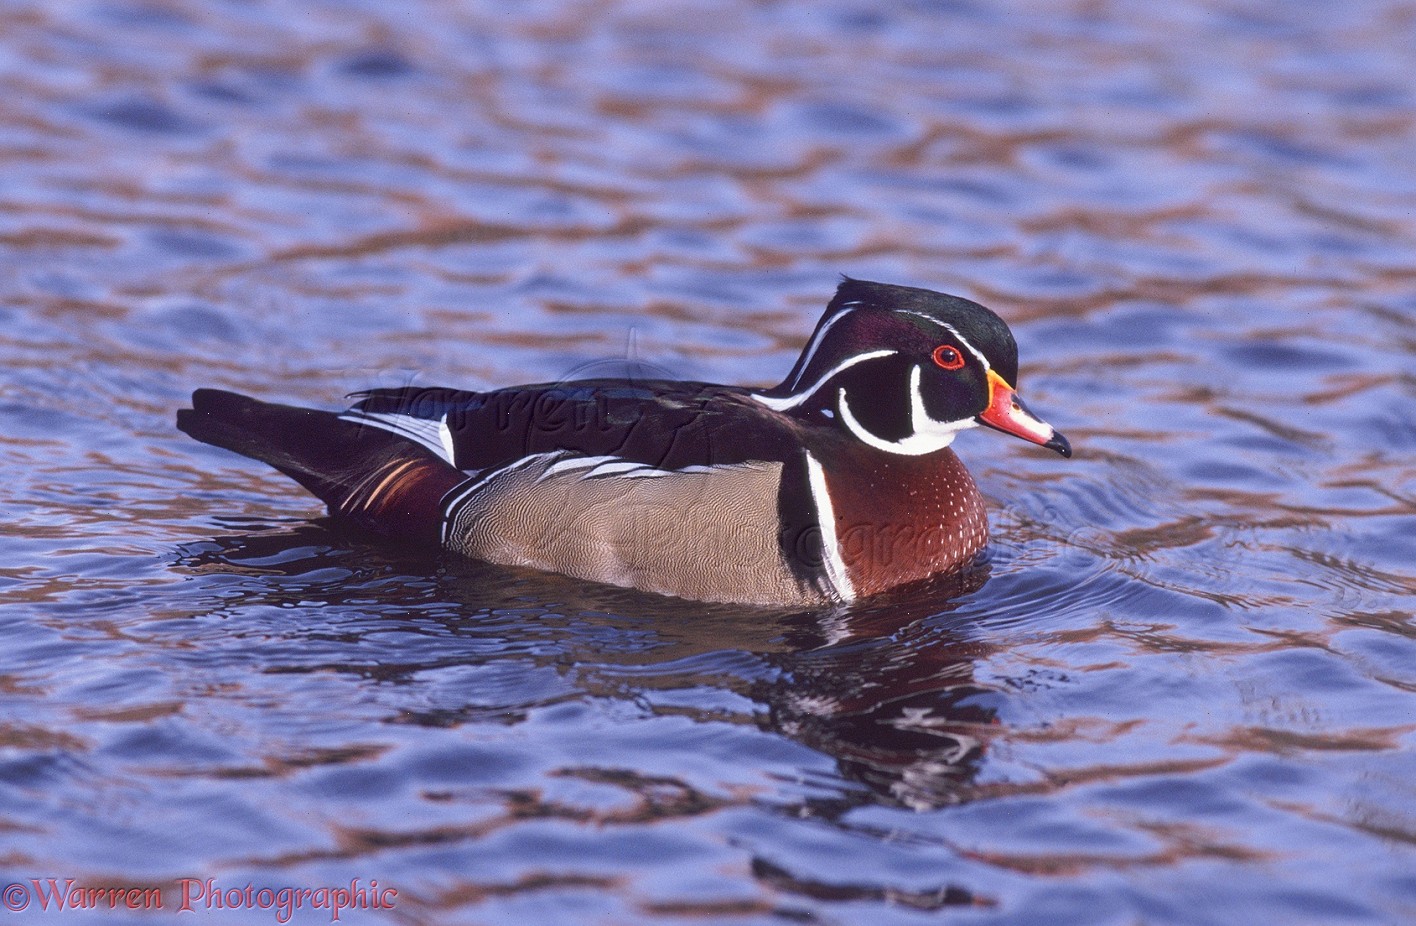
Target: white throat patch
{"x":928,"y":434}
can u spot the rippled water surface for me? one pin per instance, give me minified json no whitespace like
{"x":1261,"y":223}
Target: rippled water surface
{"x":1180,"y":689}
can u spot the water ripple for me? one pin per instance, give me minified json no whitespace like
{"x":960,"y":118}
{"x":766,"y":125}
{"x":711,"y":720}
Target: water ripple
{"x":1177,"y":684}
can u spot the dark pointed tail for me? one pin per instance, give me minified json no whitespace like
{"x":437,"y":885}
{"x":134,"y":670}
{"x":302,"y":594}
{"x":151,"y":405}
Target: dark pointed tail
{"x":373,"y":479}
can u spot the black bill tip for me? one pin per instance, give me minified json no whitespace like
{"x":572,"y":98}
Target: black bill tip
{"x":1060,"y":444}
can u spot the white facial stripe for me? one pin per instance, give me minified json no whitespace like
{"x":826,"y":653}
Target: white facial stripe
{"x":796,"y":398}
{"x":955,"y":332}
{"x":928,"y":434}
{"x":842,"y":311}
{"x":967,"y":346}
{"x":826,"y":516}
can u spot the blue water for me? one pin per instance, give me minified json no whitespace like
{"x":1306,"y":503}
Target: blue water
{"x":1178,"y":689}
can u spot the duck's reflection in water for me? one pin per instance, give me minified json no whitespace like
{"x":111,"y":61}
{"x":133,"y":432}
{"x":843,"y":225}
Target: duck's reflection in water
{"x":888,"y":691}
{"x":885,"y":688}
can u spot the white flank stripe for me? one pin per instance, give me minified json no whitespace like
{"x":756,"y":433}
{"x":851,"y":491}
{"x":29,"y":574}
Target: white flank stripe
{"x":622,"y":467}
{"x":480,"y":481}
{"x":570,"y":464}
{"x":826,"y":517}
{"x":796,"y":398}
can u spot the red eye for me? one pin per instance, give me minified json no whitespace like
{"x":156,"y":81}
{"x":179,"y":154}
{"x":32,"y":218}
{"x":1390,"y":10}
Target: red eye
{"x":948,"y":357}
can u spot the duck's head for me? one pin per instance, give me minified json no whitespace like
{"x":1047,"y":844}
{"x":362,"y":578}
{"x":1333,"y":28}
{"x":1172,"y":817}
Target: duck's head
{"x":905,"y":369}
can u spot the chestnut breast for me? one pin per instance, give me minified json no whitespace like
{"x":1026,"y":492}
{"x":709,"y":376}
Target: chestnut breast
{"x":903,"y":518}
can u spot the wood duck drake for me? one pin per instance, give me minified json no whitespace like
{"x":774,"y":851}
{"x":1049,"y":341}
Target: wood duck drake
{"x":836,"y":484}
